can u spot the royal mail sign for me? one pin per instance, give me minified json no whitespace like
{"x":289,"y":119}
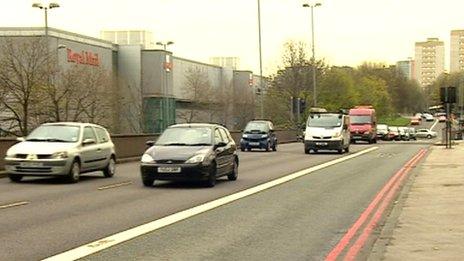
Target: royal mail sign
{"x":83,"y":57}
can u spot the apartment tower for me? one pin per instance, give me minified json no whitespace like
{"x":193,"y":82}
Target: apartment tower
{"x":457,"y":51}
{"x":429,"y":60}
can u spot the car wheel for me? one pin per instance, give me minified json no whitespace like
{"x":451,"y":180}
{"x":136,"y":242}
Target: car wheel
{"x":340,"y":151}
{"x":268,"y":146}
{"x":242,"y":149}
{"x":234,"y":174}
{"x":211,"y":182}
{"x":15,"y":178}
{"x":306,"y":151}
{"x":110,"y":169}
{"x":315,"y":151}
{"x":148,"y":182}
{"x":274,"y":148}
{"x":429,"y":136}
{"x":74,"y":172}
{"x":347,"y":149}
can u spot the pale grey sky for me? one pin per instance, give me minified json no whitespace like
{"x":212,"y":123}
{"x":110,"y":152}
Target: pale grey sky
{"x":348,"y":32}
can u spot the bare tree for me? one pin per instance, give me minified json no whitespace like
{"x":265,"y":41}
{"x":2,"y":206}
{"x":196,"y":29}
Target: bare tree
{"x":24,"y":72}
{"x":130,"y":102}
{"x":81,"y":93}
{"x":197,"y":89}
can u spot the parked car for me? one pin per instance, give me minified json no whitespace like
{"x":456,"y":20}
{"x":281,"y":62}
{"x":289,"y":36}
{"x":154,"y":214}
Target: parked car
{"x":415,"y":120}
{"x":412,"y":133}
{"x":404,"y":133}
{"x":62,"y":149}
{"x":258,"y":134}
{"x":382,"y":131}
{"x":441,"y":118}
{"x":428,"y":117}
{"x":393,"y":133}
{"x":425,"y":133}
{"x":191,"y":152}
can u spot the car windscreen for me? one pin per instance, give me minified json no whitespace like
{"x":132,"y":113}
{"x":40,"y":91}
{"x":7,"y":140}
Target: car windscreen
{"x":325,"y":120}
{"x":256,"y":127}
{"x":55,"y":133}
{"x":360,"y":119}
{"x":189,"y":136}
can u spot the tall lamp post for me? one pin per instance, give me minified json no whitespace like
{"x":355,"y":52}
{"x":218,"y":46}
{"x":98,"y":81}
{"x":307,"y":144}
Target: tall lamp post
{"x":260,"y":60}
{"x":45,"y":8}
{"x":313,"y":59}
{"x":164,"y":100}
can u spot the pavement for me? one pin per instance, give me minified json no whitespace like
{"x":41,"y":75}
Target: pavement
{"x":427,"y":222}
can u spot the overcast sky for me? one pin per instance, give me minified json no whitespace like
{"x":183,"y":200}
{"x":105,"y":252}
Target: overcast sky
{"x":348,"y":32}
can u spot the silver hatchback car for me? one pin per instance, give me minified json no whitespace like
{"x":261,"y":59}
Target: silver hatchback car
{"x":62,"y":149}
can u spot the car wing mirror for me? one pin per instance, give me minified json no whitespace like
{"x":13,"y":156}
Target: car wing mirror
{"x":150,"y":143}
{"x":221,"y":144}
{"x":88,"y":142}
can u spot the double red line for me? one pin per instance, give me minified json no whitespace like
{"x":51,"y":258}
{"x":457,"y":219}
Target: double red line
{"x":384,"y":197}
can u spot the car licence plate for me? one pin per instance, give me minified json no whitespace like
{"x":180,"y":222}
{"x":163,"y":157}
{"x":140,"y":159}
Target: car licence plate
{"x":321,"y":143}
{"x":169,"y":169}
{"x":31,"y":164}
{"x":254,"y":143}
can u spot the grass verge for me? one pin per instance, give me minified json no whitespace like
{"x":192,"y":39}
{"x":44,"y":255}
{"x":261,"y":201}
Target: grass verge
{"x":394,"y":121}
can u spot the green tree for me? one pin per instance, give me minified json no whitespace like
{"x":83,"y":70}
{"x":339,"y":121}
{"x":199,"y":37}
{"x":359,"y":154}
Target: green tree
{"x":336,"y":90}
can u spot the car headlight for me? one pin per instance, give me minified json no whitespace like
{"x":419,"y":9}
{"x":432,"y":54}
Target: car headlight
{"x":9,"y":154}
{"x":264,"y":136}
{"x":197,"y":158}
{"x":245,"y":136}
{"x":336,"y":135}
{"x":146,"y":158}
{"x":60,"y":155}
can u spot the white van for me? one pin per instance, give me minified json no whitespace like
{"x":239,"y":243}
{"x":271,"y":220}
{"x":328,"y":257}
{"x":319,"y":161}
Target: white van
{"x":327,"y":131}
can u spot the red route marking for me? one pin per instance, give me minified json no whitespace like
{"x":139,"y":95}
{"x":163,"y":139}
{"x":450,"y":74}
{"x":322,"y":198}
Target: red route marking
{"x":363,"y":217}
{"x":354,"y":250}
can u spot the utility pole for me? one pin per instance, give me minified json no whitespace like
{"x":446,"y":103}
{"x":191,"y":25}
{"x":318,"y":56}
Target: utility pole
{"x":261,"y":80}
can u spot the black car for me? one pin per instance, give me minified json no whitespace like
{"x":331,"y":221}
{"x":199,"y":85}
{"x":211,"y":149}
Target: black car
{"x":191,"y":152}
{"x":258,"y":134}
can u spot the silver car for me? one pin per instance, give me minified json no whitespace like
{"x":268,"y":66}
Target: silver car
{"x":62,"y":149}
{"x":425,"y":133}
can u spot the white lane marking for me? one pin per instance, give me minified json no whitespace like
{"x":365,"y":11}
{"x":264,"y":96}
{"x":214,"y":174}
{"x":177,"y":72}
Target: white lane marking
{"x":117,"y":185}
{"x":434,"y":124}
{"x":104,"y":243}
{"x":16,"y":204}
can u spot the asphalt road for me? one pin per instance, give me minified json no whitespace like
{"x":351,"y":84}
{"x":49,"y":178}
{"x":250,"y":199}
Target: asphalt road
{"x":55,"y":217}
{"x":299,"y":220}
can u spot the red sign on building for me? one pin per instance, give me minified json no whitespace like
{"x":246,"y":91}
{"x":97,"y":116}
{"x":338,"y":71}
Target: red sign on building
{"x":83,"y":57}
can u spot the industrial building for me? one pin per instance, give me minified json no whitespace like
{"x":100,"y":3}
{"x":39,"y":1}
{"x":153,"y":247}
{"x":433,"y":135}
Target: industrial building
{"x":154,"y":88}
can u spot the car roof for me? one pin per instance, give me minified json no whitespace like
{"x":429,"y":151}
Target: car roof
{"x":189,"y":125}
{"x":79,"y":124}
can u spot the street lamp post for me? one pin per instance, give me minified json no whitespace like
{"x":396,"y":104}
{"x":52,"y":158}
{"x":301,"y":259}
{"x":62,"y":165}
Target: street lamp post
{"x":260,"y":61}
{"x":164,"y":100}
{"x":45,"y":8}
{"x":313,"y":59}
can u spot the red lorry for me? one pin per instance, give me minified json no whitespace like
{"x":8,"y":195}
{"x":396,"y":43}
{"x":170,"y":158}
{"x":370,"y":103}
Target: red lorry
{"x":363,"y":124}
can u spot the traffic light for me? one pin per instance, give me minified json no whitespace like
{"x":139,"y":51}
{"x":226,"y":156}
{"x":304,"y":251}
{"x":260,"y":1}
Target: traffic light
{"x":302,"y":105}
{"x":448,"y":94}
